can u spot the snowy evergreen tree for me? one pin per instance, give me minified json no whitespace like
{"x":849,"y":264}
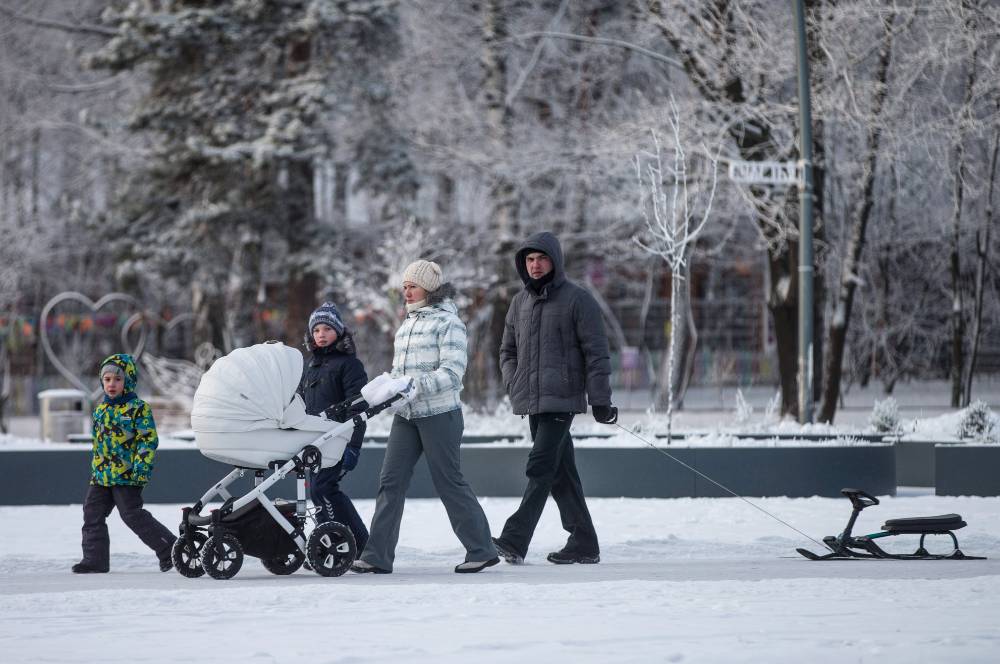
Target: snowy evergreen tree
{"x":235,"y":118}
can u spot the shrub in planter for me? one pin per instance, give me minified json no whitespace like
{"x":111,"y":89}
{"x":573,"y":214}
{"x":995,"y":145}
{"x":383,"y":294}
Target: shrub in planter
{"x":885,"y":416}
{"x":979,"y":423}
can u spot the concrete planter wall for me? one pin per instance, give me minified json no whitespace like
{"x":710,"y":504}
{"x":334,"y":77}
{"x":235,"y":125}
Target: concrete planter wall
{"x":182,"y":476}
{"x":915,"y":464}
{"x":967,"y":470}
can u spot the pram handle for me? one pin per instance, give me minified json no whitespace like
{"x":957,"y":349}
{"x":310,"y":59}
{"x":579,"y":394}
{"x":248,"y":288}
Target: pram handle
{"x":340,"y":410}
{"x":378,"y":408}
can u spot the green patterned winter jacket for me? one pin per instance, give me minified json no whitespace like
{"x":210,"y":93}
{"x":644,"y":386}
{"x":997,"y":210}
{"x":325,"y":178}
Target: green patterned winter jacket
{"x":124,"y":434}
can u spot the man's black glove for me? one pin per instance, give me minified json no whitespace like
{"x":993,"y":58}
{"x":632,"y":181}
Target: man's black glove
{"x":605,"y":414}
{"x":350,"y":459}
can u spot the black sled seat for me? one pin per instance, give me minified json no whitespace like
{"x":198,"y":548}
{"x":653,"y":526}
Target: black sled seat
{"x":931,"y":525}
{"x":848,"y":546}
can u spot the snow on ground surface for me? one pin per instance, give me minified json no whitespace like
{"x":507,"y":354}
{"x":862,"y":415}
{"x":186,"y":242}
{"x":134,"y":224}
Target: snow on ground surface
{"x":710,"y":416}
{"x":637,"y":430}
{"x":683,"y":580}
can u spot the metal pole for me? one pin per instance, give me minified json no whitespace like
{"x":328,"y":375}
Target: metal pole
{"x":805,"y":222}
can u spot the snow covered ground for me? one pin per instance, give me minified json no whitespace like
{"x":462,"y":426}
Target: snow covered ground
{"x":687,"y":580}
{"x":703,"y":428}
{"x":710,"y":412}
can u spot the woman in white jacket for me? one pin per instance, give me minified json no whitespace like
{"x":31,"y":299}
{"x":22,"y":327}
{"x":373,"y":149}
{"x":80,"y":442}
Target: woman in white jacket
{"x":430,"y":348}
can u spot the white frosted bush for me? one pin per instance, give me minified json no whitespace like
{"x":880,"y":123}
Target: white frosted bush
{"x":885,"y":416}
{"x":744,"y":411}
{"x":979,"y":423}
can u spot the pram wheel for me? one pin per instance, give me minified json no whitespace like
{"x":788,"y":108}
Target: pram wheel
{"x":187,"y":557}
{"x":331,"y":549}
{"x":283,"y":565}
{"x":225,"y":562}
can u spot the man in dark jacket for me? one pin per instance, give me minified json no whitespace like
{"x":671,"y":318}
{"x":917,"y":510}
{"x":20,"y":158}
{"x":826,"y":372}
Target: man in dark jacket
{"x":554,"y":358}
{"x":330,"y":376}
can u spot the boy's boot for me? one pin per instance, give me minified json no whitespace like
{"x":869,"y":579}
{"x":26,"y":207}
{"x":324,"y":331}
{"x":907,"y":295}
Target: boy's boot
{"x":84,"y":567}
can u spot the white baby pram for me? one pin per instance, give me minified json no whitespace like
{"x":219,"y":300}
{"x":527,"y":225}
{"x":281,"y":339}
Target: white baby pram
{"x":246,"y":413}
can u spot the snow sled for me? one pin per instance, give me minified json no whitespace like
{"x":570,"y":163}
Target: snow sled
{"x":246,"y":413}
{"x":847,"y":546}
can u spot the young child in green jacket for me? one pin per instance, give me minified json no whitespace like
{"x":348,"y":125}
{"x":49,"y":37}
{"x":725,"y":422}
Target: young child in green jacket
{"x":124,"y":445}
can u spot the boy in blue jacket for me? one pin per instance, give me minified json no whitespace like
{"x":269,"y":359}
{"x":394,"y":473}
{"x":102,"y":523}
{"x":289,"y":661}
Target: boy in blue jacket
{"x":124,"y":443}
{"x":331,"y":375}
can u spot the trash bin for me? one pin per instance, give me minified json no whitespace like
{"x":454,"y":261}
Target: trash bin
{"x":64,"y":414}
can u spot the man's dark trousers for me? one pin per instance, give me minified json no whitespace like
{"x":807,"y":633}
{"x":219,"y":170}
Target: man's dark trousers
{"x":97,"y":506}
{"x":552,"y":470}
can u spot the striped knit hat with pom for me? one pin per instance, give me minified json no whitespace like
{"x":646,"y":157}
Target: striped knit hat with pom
{"x":328,"y":314}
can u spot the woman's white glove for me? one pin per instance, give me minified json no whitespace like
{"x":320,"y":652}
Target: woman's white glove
{"x":384,"y":387}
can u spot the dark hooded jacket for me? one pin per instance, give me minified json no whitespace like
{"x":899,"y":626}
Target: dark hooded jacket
{"x":331,"y":375}
{"x":554,"y":354}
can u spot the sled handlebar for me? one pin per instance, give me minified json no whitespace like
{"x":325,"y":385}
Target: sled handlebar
{"x":860,"y":499}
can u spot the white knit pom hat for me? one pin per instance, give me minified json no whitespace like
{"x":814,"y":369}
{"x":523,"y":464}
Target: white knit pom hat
{"x":425,"y":274}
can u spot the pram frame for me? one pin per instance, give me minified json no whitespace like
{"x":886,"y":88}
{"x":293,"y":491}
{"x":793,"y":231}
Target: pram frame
{"x":307,"y":461}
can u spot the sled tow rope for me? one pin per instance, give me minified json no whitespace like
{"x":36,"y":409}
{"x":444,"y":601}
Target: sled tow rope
{"x":721,"y":486}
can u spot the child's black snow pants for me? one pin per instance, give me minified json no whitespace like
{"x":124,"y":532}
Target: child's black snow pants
{"x":97,"y":506}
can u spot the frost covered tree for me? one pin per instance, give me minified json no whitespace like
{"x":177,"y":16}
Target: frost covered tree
{"x":59,"y":153}
{"x":234,"y":114}
{"x":675,"y":217}
{"x":254,"y":153}
{"x":515,"y":134}
{"x":976,"y":42}
{"x":984,"y":252}
{"x":939,"y":52}
{"x":55,"y":157}
{"x":843,"y":298}
{"x":745,"y":84}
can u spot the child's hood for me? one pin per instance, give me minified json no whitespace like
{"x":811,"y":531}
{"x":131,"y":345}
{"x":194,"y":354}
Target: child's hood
{"x":126,"y":363}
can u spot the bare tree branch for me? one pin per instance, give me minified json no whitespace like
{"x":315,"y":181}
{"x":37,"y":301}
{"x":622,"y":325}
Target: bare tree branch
{"x":83,"y":87}
{"x":523,"y":76}
{"x":58,"y":25}
{"x":601,"y":40}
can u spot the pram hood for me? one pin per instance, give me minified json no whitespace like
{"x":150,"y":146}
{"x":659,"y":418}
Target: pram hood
{"x":252,"y":389}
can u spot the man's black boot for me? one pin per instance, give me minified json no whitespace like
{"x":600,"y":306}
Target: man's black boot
{"x":564,"y":557}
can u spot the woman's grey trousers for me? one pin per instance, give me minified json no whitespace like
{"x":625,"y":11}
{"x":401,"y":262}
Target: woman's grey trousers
{"x":439,"y":437}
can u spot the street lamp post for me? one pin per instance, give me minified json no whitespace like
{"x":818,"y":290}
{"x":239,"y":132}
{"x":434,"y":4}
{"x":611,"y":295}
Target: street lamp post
{"x":805,"y":221}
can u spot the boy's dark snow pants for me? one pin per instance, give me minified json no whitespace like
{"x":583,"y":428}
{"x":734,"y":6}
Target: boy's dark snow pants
{"x":97,"y":506}
{"x":335,"y":505}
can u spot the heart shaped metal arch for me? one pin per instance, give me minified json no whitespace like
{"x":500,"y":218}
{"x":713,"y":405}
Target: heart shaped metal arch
{"x":94,"y":306}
